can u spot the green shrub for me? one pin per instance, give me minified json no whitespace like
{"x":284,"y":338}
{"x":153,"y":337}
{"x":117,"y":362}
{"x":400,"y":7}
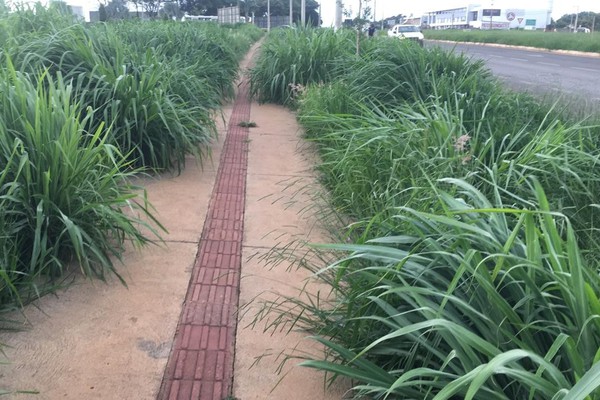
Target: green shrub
{"x":156,"y":84}
{"x":293,"y":58}
{"x":65,"y":193}
{"x":481,"y":300}
{"x":393,"y":125}
{"x":473,"y":272}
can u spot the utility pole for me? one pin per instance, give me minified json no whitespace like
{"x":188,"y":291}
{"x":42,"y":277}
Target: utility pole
{"x":374,"y":10}
{"x":291,"y":14}
{"x":303,"y":13}
{"x":550,"y":9}
{"x":338,"y":14}
{"x":268,"y":15}
{"x":576,"y":19}
{"x":320,"y":15}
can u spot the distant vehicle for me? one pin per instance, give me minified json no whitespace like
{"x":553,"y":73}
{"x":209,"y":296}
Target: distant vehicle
{"x":583,"y":30}
{"x":410,"y":32}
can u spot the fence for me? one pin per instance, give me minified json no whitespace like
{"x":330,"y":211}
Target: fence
{"x":228,"y":15}
{"x":276,"y":20}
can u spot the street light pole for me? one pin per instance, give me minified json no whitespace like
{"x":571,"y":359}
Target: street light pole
{"x":303,"y":13}
{"x":338,"y":14}
{"x":291,"y":14}
{"x":268,"y":15}
{"x":374,"y":10}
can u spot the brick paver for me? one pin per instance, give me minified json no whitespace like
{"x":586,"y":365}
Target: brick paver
{"x":200,"y":365}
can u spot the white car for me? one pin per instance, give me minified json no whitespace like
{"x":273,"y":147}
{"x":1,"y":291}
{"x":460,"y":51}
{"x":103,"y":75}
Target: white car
{"x":411,"y":32}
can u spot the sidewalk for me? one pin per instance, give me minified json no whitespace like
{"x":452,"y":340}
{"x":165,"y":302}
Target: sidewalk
{"x":256,"y":205}
{"x":174,"y":331}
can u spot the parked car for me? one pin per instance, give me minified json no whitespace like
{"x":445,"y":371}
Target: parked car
{"x":411,"y":32}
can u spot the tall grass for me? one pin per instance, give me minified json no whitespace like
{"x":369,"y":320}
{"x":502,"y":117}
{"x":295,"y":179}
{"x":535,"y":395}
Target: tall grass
{"x":105,"y":104}
{"x":82,"y":109}
{"x":480,"y":300}
{"x":473,"y":272}
{"x":156,"y":84}
{"x":405,"y":117}
{"x":293,"y":58}
{"x":129,"y":91}
{"x":66,"y":195}
{"x":383,"y":159}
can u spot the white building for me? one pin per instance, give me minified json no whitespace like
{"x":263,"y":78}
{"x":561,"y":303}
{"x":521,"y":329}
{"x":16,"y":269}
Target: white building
{"x":78,"y":10}
{"x":487,"y":16}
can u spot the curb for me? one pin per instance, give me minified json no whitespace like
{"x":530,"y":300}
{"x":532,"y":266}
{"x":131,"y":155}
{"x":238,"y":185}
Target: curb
{"x":537,"y":49}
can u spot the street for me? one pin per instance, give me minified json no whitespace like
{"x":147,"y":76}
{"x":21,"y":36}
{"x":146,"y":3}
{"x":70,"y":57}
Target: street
{"x":573,"y":77}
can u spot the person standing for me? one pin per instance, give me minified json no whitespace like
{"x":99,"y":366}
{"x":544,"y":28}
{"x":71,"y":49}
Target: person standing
{"x":371,"y":30}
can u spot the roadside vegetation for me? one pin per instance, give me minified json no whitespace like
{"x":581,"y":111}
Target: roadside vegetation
{"x":543,"y":40}
{"x":83,"y":108}
{"x":469,"y":268}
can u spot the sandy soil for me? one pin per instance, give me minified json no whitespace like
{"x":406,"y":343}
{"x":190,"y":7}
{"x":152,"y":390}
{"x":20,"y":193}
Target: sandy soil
{"x":106,"y":341}
{"x":279,"y":193}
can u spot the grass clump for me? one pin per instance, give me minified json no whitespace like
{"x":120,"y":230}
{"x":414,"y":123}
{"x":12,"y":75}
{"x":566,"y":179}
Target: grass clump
{"x":292,"y":57}
{"x":469,"y":269}
{"x":157,"y":84}
{"x":83,"y":108}
{"x":480,"y":300}
{"x":65,"y":190}
{"x":248,"y":124}
{"x":441,"y":116}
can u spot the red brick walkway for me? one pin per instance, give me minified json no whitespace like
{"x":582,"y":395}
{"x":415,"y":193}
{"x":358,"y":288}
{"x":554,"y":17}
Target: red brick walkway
{"x":201,"y":362}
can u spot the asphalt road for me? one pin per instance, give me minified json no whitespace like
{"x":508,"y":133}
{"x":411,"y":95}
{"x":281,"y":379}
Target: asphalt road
{"x":539,"y":72}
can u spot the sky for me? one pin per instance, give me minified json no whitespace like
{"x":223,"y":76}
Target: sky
{"x":389,"y":8}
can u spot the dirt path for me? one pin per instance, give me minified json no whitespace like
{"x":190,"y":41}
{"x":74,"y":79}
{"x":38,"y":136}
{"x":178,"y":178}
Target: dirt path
{"x":105,"y":341}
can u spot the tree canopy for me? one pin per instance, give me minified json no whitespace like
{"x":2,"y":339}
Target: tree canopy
{"x":584,"y":19}
{"x":204,"y":7}
{"x":115,"y":9}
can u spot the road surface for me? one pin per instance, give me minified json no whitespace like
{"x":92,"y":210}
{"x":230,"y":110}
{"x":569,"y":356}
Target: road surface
{"x":540,"y":72}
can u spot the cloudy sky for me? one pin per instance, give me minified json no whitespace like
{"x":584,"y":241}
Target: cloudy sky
{"x":387,"y":8}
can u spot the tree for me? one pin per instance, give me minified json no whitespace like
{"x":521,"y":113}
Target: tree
{"x":171,"y":10}
{"x":363,"y":15}
{"x":116,"y":9}
{"x":360,"y":21}
{"x":247,"y":7}
{"x":585,"y":19}
{"x":151,"y":7}
{"x":102,"y":16}
{"x":61,"y":7}
{"x":204,"y":7}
